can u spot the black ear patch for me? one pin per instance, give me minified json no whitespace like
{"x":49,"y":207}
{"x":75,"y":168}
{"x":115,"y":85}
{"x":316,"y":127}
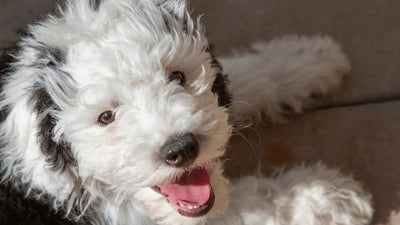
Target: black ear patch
{"x":220,"y":85}
{"x":58,"y":154}
{"x":220,"y":88}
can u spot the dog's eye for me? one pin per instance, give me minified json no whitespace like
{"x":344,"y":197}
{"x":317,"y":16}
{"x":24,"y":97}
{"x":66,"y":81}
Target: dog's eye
{"x":178,"y":76}
{"x":106,"y":117}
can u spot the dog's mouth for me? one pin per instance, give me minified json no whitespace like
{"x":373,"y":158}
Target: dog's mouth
{"x":191,"y":195}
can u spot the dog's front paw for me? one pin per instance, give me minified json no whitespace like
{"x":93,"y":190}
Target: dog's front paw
{"x":283,"y":76}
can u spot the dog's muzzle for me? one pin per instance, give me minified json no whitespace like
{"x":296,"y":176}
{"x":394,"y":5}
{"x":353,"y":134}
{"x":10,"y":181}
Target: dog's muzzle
{"x":191,"y":195}
{"x":180,"y":150}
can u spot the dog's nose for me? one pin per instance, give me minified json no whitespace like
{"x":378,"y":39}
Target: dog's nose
{"x":180,"y":150}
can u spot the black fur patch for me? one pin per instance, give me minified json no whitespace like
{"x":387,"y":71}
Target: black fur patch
{"x":58,"y":154}
{"x":56,"y":57}
{"x":95,"y":4}
{"x":47,"y":56}
{"x":16,"y":209}
{"x":3,"y":113}
{"x":5,"y":60}
{"x":220,"y":85}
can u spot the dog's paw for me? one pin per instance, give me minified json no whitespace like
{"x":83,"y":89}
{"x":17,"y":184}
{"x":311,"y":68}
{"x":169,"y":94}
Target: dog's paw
{"x":313,"y":195}
{"x":317,"y":196}
{"x":283,"y":76}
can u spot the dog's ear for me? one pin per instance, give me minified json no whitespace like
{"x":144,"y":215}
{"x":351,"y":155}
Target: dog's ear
{"x":220,"y":85}
{"x":58,"y":152}
{"x":51,"y":87}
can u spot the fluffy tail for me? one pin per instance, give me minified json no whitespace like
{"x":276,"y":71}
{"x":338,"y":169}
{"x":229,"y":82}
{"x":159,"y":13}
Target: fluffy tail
{"x":281,"y":77}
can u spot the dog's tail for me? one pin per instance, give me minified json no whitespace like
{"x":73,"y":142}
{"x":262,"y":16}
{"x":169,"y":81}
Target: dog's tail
{"x":283,"y":77}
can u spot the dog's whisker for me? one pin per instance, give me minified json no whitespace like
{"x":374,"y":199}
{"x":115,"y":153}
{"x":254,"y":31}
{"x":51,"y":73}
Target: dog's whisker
{"x":248,"y":142}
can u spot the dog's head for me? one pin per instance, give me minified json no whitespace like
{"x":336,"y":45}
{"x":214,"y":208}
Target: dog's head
{"x":122,"y":100}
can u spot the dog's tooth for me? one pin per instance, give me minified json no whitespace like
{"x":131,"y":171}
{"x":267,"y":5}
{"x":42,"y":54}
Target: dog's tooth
{"x":195,"y":207}
{"x":190,"y":207}
{"x":181,"y":204}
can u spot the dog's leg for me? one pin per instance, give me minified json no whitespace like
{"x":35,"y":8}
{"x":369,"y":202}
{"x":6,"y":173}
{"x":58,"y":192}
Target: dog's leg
{"x":281,"y":77}
{"x":304,"y":195}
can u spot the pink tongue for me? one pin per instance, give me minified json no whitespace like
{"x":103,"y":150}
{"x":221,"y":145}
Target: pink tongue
{"x":192,"y":188}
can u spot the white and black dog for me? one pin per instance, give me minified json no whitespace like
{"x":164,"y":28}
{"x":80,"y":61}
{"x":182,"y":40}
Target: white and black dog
{"x":116,"y":112}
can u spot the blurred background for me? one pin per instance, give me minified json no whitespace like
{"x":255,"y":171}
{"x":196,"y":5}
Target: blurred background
{"x":355,"y":130}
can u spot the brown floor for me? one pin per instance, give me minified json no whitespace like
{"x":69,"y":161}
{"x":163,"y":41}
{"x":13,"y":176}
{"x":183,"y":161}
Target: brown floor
{"x":355,"y":130}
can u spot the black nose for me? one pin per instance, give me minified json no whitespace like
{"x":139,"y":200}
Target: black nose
{"x":180,"y":150}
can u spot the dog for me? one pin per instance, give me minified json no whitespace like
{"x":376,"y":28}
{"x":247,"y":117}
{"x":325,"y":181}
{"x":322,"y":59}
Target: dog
{"x":117,"y":112}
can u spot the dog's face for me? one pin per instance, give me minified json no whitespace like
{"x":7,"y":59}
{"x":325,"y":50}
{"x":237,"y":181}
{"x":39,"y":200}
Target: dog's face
{"x":128,"y":101}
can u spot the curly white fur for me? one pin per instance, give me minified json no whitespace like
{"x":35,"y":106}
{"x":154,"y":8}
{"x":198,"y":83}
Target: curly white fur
{"x":289,"y":71}
{"x":304,"y":195}
{"x":116,"y":55}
